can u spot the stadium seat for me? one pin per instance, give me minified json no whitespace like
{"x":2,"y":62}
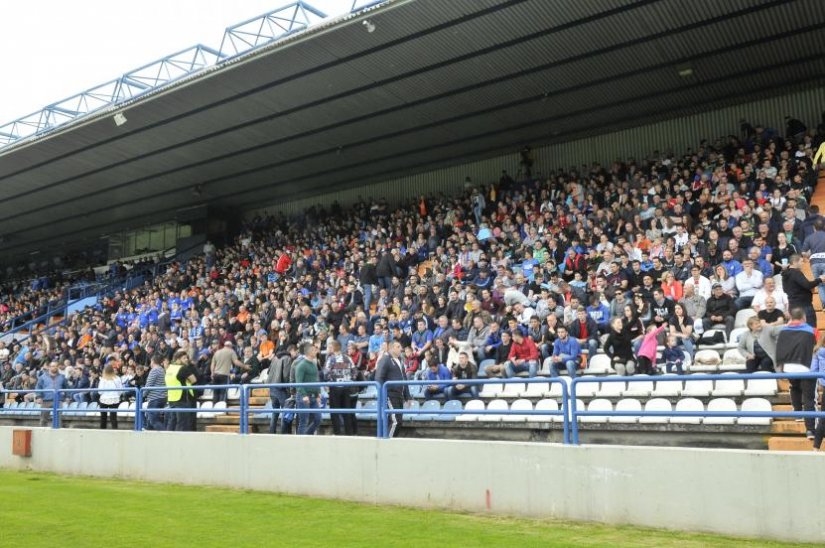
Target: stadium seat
{"x":131,"y":408}
{"x":491,"y":390}
{"x":536,"y":390}
{"x":412,"y":405}
{"x":204,"y":410}
{"x":451,"y":405}
{"x":545,"y":405}
{"x":719,"y":405}
{"x":495,"y":405}
{"x":472,"y":405}
{"x":688,"y":405}
{"x":92,"y":409}
{"x":755,"y":405}
{"x":697,"y":389}
{"x":612,"y":389}
{"x":372,"y":406}
{"x":69,"y":410}
{"x":733,"y":360}
{"x":10,"y":408}
{"x":796,"y":368}
{"x":511,"y":390}
{"x":728,"y":388}
{"x":626,"y":404}
{"x":431,"y":406}
{"x":706,"y":360}
{"x":733,"y":340}
{"x":518,"y":405}
{"x":640,"y":388}
{"x":122,"y":408}
{"x":667,"y":389}
{"x":416,"y":391}
{"x":556,"y":389}
{"x":656,"y":404}
{"x":717,"y":346}
{"x":742,"y":318}
{"x":219,"y":408}
{"x":586,"y":389}
{"x":599,"y":365}
{"x":81,"y":409}
{"x":598,"y":404}
{"x":370,"y":392}
{"x":233,"y":394}
{"x":761,"y":387}
{"x":482,"y":373}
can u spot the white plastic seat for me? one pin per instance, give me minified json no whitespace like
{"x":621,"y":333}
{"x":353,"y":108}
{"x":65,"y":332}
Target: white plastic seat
{"x":639,"y":389}
{"x":733,"y":340}
{"x":599,"y":404}
{"x":587,"y":389}
{"x":217,"y":406}
{"x":667,"y":389}
{"x":612,"y":389}
{"x":518,"y":405}
{"x":491,"y":390}
{"x":495,"y":405}
{"x":535,"y":390}
{"x":756,"y":404}
{"x":697,"y":389}
{"x":761,"y":387}
{"x":511,"y":390}
{"x":719,"y":405}
{"x":733,"y":360}
{"x":123,"y":406}
{"x":727,"y":388}
{"x":233,"y":394}
{"x":131,"y":409}
{"x":685,"y":405}
{"x":472,"y":405}
{"x":580,"y":406}
{"x":796,"y":368}
{"x":599,"y":365}
{"x":545,"y":405}
{"x":742,"y":317}
{"x":204,"y":412}
{"x":627,"y":404}
{"x":706,"y":353}
{"x":555,"y":386}
{"x":656,"y":404}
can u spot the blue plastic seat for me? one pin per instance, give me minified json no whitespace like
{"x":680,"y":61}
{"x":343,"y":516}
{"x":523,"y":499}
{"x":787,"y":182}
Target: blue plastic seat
{"x":434,"y":406}
{"x":452,"y":405}
{"x":416,"y":391}
{"x":366,"y":406}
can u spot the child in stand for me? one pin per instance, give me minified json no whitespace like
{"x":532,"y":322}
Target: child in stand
{"x":673,"y":356}
{"x":647,"y":350}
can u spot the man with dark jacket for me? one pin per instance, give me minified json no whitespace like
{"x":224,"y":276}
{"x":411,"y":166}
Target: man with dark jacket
{"x":391,"y":368}
{"x":585,"y":330}
{"x":387,"y":268}
{"x":795,"y":345}
{"x":368,"y":278}
{"x":798,"y":288}
{"x":719,"y":309}
{"x":279,"y":373}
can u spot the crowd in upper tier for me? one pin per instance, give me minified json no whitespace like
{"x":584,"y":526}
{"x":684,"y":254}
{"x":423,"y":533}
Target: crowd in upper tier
{"x":519,"y":277}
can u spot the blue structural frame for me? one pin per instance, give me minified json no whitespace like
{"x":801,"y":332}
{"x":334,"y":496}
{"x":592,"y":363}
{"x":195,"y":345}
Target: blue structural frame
{"x":237,"y":40}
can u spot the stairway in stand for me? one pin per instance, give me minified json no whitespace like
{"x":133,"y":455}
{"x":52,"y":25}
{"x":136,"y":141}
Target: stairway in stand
{"x":789,"y":435}
{"x":231,"y":422}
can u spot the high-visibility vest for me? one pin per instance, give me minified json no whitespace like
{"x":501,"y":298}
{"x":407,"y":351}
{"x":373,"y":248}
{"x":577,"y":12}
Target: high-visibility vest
{"x":172,"y":380}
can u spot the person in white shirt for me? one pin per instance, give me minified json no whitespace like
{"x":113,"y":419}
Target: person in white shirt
{"x":747,"y":283}
{"x":769,"y":290}
{"x":701,"y":285}
{"x":110,"y":392}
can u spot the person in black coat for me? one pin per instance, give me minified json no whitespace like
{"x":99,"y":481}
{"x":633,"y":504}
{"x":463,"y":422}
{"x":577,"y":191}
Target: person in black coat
{"x":391,"y":368}
{"x":719,"y":310}
{"x":619,"y":347}
{"x":798,"y":288}
{"x":387,"y":268}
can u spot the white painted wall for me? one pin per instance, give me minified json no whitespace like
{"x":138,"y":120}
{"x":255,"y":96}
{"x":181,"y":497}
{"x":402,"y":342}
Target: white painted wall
{"x":754,"y":494}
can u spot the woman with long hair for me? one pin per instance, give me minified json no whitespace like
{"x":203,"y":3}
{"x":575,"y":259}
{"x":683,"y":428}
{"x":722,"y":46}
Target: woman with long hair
{"x":681,"y":327}
{"x":671,"y":287}
{"x":782,"y":253}
{"x":110,"y":387}
{"x":728,"y":283}
{"x":619,"y":347}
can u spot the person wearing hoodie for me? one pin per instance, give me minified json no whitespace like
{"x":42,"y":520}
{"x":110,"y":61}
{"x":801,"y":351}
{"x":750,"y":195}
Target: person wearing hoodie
{"x":795,"y":345}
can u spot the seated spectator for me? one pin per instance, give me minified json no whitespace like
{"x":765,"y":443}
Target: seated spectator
{"x":771,"y":315}
{"x":660,"y":308}
{"x":681,"y":327}
{"x":523,"y":358}
{"x":566,"y":353}
{"x":699,"y":284}
{"x":673,"y":356}
{"x":600,"y":313}
{"x":585,"y":331}
{"x":748,"y":282}
{"x":769,"y":290}
{"x":619,"y":347}
{"x":500,"y":356}
{"x":463,"y":370}
{"x":758,"y":346}
{"x":671,"y":287}
{"x":720,"y":310}
{"x":436,"y":372}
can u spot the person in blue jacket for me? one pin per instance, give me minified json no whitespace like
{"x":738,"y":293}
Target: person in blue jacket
{"x":436,"y":372}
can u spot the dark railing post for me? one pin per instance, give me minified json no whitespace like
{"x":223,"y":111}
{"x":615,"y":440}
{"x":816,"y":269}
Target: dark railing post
{"x":244,"y":426}
{"x":573,"y":418}
{"x":56,"y":409}
{"x":138,"y":410}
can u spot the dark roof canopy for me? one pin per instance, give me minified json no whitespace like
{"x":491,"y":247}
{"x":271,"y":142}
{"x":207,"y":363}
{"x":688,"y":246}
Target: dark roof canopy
{"x":436,"y":83}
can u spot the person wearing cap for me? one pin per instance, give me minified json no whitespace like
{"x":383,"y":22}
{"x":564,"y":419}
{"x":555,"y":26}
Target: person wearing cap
{"x":220,"y":367}
{"x":719,"y":309}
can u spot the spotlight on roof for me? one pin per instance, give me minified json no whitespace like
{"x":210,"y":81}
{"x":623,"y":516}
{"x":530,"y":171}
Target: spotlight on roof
{"x":120,"y":119}
{"x":370,"y":26}
{"x":686,"y":72}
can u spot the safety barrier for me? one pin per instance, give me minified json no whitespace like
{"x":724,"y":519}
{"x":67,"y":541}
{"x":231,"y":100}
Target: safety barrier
{"x":386,"y":411}
{"x":569,"y":413}
{"x":576,"y":414}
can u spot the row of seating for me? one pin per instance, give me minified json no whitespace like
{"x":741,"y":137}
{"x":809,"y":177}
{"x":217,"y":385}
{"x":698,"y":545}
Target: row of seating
{"x":80,"y":409}
{"x":688,"y":405}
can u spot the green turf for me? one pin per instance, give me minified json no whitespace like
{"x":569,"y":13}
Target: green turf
{"x":56,"y":511}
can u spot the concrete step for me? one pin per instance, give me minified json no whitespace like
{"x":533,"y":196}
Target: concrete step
{"x":230,"y":419}
{"x":787,"y":443}
{"x":783,"y":385}
{"x":222,"y":428}
{"x":258,"y":401}
{"x":259,"y":393}
{"x":788,"y":427}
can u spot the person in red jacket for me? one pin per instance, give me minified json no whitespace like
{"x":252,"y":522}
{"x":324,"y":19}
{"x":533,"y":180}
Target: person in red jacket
{"x":524,"y":356}
{"x":284,"y":264}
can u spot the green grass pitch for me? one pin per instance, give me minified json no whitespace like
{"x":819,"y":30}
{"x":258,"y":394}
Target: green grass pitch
{"x":56,"y":511}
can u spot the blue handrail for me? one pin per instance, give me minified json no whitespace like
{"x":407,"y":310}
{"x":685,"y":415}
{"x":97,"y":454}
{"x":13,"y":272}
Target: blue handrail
{"x":385,"y":411}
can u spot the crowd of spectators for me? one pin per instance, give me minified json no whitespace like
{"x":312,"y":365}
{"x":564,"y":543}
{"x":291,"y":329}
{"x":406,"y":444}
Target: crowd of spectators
{"x":512,"y":278}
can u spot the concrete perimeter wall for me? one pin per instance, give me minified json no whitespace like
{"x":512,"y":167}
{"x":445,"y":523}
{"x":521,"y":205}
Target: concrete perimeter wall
{"x":754,"y":494}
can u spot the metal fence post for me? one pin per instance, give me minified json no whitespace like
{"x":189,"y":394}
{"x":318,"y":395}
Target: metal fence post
{"x":381,"y":420}
{"x":244,"y":426}
{"x":565,"y":406}
{"x":55,"y":409}
{"x":138,"y":409}
{"x":574,"y":420}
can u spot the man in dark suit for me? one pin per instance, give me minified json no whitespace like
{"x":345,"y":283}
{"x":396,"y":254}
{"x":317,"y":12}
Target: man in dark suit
{"x":391,"y":368}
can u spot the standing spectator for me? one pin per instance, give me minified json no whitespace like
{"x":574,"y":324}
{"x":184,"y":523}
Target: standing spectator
{"x":279,"y":373}
{"x":524,"y":356}
{"x":181,"y":372}
{"x":110,"y":394}
{"x":818,"y":366}
{"x":390,"y":368}
{"x":566,"y":353}
{"x":647,"y":350}
{"x":813,"y":248}
{"x":798,"y":288}
{"x":306,"y":371}
{"x":795,"y":345}
{"x":47,"y":383}
{"x":221,"y":367}
{"x":155,"y":399}
{"x":340,"y":369}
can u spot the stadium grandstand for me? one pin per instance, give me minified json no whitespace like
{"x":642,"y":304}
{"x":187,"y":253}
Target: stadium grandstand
{"x":489,"y":197}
